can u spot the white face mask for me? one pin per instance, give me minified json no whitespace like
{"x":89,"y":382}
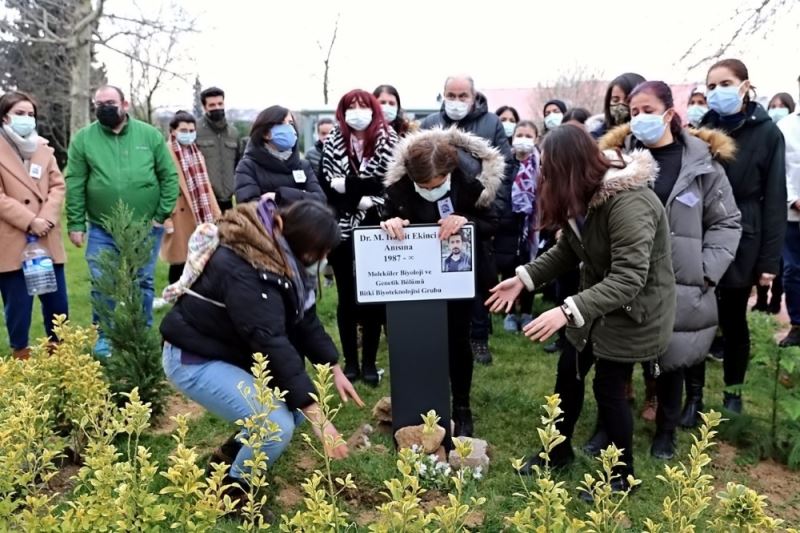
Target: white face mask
{"x":389,"y":112}
{"x":358,"y":119}
{"x":509,"y":127}
{"x":456,"y":109}
{"x":523,"y":145}
{"x":434,"y":195}
{"x":553,"y":120}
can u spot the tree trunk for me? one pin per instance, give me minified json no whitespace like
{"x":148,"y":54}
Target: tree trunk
{"x":81,"y":70}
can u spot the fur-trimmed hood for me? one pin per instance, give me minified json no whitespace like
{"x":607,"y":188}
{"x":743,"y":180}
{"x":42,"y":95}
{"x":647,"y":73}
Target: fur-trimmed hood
{"x":241,"y":230}
{"x":493,"y":164}
{"x":640,"y":170}
{"x":721,"y":147}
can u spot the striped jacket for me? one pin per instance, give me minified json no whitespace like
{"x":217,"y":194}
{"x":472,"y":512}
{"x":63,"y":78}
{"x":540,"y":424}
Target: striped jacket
{"x":362,"y":179}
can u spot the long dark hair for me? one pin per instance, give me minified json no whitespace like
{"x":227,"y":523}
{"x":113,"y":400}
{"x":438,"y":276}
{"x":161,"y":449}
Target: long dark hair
{"x":376,"y":128}
{"x":572,"y":169}
{"x":400,"y":124}
{"x":663,"y":93}
{"x":626,"y":82}
{"x":310,"y":228}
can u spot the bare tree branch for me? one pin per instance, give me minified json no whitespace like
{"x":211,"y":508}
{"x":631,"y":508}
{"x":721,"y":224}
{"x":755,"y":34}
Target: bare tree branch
{"x":327,"y":61}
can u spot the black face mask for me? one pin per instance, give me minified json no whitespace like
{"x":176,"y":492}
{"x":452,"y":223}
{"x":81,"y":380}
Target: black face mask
{"x":108,"y":116}
{"x":216,"y":115}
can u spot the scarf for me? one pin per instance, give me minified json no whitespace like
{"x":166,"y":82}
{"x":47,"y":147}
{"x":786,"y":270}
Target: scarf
{"x":194,"y":172}
{"x":303,"y":283}
{"x":279,"y":155}
{"x":202,"y":244}
{"x":26,"y":146}
{"x":523,"y":200}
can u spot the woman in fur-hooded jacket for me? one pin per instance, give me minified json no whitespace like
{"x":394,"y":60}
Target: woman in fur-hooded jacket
{"x":705,"y":228}
{"x":448,"y":177}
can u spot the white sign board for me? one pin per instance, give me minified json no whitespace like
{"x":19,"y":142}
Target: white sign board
{"x":420,"y":267}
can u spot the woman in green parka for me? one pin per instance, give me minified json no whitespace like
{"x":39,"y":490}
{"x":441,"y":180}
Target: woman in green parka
{"x":616,"y":228}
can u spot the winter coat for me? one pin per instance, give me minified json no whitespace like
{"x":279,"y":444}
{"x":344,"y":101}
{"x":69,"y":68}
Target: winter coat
{"x":23,"y":198}
{"x":626,"y":304}
{"x":250,"y":276}
{"x":175,"y":245}
{"x":473,"y":186}
{"x":705,"y":228}
{"x":222,"y":149}
{"x":485,"y":124}
{"x":758,"y":177}
{"x":362,"y":179}
{"x":261,"y":172}
{"x":790,"y":128}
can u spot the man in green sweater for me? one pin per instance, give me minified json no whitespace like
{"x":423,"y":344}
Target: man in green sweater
{"x":118,"y":158}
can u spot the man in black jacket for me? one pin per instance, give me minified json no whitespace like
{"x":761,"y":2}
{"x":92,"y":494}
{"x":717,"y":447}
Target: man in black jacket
{"x":467,"y":110}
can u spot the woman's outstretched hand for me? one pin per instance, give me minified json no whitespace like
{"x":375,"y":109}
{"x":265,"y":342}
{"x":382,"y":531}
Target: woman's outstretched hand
{"x":504,"y":294}
{"x":344,"y":387}
{"x":545,"y":325}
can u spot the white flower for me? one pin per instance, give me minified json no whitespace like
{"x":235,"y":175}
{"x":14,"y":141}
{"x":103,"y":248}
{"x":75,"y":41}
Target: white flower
{"x":422,"y":468}
{"x":415,"y":448}
{"x":478,"y":474}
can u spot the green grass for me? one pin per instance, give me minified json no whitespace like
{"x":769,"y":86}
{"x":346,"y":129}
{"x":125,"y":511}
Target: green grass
{"x":506,"y":400}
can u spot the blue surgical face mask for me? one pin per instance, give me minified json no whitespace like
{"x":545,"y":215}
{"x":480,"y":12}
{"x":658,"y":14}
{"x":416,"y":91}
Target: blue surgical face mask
{"x":186,"y":138}
{"x":649,"y":129}
{"x":696,"y":114}
{"x":509,"y":127}
{"x":283,"y":136}
{"x":553,"y":120}
{"x":23,"y":125}
{"x":777,"y":113}
{"x":436,"y":194}
{"x":725,"y":100}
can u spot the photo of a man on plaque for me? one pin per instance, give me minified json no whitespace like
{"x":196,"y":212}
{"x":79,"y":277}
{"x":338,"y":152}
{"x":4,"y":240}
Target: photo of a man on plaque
{"x":456,"y":254}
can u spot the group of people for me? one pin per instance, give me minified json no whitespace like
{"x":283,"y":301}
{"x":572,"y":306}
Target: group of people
{"x":648,"y":235}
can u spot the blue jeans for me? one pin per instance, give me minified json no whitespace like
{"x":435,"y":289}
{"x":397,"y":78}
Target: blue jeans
{"x":18,"y":305}
{"x":99,"y":240}
{"x":215,"y":385}
{"x":791,"y":271}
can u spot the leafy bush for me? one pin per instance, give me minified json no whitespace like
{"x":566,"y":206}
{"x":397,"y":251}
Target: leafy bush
{"x":135,"y":360}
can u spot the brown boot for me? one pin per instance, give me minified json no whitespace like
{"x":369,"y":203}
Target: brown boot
{"x":650,"y":401}
{"x":22,"y":353}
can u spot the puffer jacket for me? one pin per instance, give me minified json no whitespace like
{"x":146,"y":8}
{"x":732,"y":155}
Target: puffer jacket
{"x":261,"y":172}
{"x":251,"y":277}
{"x":626,"y":304}
{"x":473,"y":186}
{"x":705,"y":228}
{"x":758,"y":178}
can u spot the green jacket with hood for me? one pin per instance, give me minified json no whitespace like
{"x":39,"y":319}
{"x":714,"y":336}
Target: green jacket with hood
{"x":134,"y":166}
{"x":625,"y":308}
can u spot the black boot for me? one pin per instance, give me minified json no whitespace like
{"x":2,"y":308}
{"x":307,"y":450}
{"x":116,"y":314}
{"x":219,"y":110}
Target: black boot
{"x":351,"y":370}
{"x":369,"y":373}
{"x":792,"y":338}
{"x":481,"y":352}
{"x":663,"y":445}
{"x":225,"y":454}
{"x":695,"y":381}
{"x":462,"y":420}
{"x":761,"y":300}
{"x":560,"y":458}
{"x":732,"y":402}
{"x":598,"y":442}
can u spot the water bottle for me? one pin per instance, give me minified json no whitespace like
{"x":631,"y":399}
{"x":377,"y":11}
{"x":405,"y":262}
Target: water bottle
{"x":37,"y":266}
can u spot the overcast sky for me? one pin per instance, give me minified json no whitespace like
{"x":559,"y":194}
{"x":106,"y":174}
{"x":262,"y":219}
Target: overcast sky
{"x":265,"y":52}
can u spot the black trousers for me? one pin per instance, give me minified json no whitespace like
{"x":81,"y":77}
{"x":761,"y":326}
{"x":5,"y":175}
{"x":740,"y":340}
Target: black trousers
{"x":459,"y":314}
{"x":609,"y":391}
{"x":732,"y":305}
{"x":349,"y":314}
{"x":669,"y":388}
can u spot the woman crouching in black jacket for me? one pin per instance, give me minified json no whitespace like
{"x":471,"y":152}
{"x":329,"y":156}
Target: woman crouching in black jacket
{"x":254,"y":295}
{"x":448,"y":177}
